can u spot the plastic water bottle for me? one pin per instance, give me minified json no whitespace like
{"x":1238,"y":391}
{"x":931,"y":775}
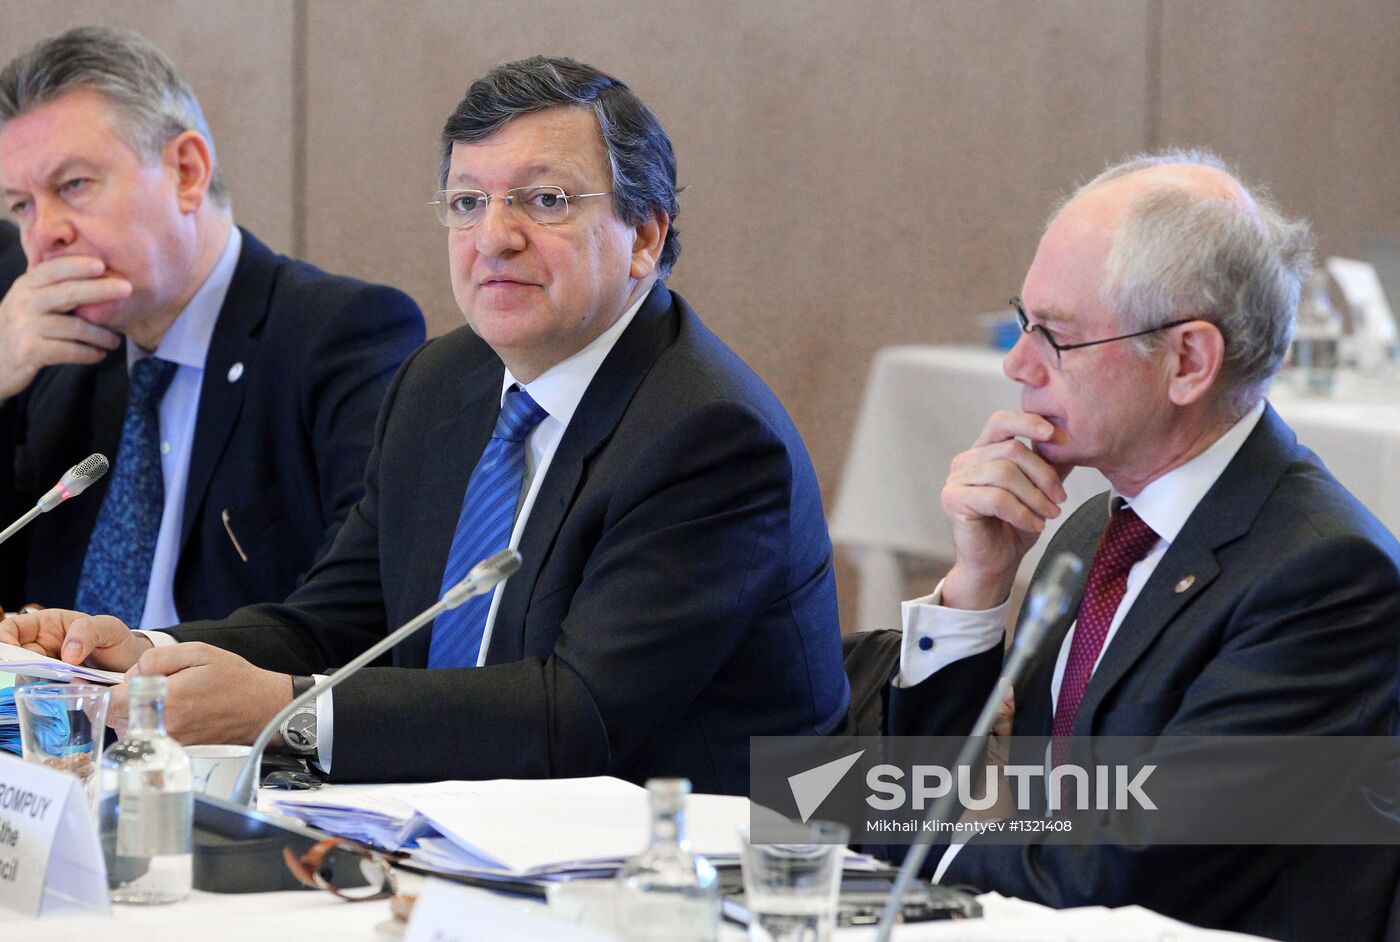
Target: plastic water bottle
{"x":666,"y":892}
{"x":147,"y":806}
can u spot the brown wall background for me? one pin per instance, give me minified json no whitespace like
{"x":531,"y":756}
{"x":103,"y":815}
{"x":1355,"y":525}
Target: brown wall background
{"x":860,"y":174}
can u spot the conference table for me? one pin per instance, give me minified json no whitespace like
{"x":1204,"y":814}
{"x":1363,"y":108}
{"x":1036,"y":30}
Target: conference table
{"x":318,"y":917}
{"x":925,"y":404}
{"x":448,"y":912}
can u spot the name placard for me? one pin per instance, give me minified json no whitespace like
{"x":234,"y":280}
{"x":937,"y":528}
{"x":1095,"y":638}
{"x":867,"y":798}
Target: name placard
{"x":451,"y":912}
{"x":50,"y":855}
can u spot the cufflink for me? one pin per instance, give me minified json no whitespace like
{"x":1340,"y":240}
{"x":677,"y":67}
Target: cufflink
{"x":925,"y":644}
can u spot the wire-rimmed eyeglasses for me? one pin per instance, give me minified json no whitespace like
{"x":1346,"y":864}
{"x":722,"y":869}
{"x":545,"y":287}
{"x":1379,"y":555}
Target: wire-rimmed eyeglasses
{"x":313,"y":869}
{"x":1028,"y":328}
{"x":546,"y":205}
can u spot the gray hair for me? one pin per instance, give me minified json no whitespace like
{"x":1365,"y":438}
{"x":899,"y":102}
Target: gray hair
{"x":639,"y":151}
{"x":151,"y":102}
{"x":1239,"y":264}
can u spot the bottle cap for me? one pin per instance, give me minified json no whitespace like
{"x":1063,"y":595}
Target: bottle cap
{"x":149,"y":685}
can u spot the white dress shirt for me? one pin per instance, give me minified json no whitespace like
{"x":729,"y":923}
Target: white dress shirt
{"x":935,"y":637}
{"x":185,"y":344}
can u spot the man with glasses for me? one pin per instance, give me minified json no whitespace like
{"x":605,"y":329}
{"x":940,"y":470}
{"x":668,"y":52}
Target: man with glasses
{"x":233,"y":389}
{"x":1234,"y":588}
{"x":676,"y":595}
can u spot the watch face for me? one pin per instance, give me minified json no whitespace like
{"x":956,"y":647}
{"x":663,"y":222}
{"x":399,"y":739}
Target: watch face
{"x":300,"y":731}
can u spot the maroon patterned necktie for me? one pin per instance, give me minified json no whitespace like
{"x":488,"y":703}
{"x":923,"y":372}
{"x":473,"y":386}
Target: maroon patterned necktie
{"x":1126,"y":541}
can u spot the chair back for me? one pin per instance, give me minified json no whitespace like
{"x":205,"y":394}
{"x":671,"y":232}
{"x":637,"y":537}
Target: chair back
{"x":871,"y":659}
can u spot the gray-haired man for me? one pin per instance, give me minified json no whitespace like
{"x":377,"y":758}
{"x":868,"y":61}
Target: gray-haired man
{"x":234,"y":389}
{"x":1236,"y":588}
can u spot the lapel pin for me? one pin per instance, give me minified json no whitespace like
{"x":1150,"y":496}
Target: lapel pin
{"x":1185,"y":583}
{"x":235,"y":372}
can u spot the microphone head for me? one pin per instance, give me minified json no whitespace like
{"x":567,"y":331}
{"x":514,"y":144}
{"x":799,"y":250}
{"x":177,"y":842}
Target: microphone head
{"x":77,"y":479}
{"x":1050,"y":600}
{"x":81,"y":476}
{"x":497,"y":568}
{"x":484,"y":577}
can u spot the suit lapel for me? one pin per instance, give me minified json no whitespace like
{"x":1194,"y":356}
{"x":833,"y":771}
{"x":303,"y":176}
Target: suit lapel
{"x":462,"y":436}
{"x":1224,"y":515}
{"x":234,"y":341}
{"x":651,"y":331}
{"x":110,"y":384}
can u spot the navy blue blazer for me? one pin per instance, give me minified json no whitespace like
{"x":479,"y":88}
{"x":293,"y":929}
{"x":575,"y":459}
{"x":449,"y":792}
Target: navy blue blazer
{"x":12,"y":262}
{"x":676,"y":595}
{"x":1290,"y":627}
{"x":279,"y":447}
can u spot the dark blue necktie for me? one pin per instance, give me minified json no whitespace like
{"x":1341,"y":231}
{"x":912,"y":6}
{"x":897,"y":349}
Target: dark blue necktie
{"x":483,"y":528}
{"x":117,"y":568}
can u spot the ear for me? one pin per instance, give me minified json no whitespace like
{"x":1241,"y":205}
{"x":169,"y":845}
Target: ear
{"x":646,"y":246}
{"x":191,"y":161}
{"x":1197,"y":352}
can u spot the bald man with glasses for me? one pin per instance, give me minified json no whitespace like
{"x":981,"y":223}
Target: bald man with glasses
{"x":1234,"y":587}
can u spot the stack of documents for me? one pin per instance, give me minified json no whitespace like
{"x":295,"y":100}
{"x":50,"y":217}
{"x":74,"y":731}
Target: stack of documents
{"x":29,"y":664}
{"x":15,"y":660}
{"x":535,"y":830}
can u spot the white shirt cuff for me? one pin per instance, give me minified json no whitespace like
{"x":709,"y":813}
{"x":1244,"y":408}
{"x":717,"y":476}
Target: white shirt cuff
{"x":158,"y":639}
{"x":935,"y":637}
{"x":325,"y":726}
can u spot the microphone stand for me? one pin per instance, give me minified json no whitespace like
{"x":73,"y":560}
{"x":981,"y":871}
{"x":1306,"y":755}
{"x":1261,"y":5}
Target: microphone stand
{"x":484,"y":577}
{"x":1048,"y":603}
{"x":21,"y":523}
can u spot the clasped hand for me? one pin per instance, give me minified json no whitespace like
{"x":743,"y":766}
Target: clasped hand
{"x":213,"y":696}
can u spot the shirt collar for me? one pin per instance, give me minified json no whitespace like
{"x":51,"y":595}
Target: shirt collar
{"x":559,"y":389}
{"x":187,"y":340}
{"x":1166,"y":503}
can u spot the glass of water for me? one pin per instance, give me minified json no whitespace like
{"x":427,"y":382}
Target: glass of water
{"x":791,"y":888}
{"x":62,"y":726}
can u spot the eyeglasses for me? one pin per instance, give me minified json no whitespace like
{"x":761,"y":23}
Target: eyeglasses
{"x":312,"y":869}
{"x":1028,"y":328}
{"x":546,"y":205}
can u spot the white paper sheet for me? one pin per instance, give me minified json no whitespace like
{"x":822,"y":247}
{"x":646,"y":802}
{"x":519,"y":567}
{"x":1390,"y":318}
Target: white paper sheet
{"x":15,"y":660}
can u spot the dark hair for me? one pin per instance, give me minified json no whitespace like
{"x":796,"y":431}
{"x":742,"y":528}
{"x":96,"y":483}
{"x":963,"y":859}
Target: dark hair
{"x":151,"y":102}
{"x":643,"y":163}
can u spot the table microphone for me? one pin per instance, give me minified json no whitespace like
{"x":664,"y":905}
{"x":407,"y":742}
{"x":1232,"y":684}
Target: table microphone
{"x":77,"y":479}
{"x":484,"y":577}
{"x":1047,"y":605}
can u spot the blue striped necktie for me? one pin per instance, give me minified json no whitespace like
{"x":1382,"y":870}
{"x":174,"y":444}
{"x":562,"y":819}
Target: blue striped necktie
{"x":483,"y":528}
{"x":117,"y":567}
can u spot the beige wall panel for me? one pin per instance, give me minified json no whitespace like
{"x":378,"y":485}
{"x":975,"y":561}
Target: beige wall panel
{"x":1303,"y":95}
{"x":236,"y":55}
{"x":860,"y":174}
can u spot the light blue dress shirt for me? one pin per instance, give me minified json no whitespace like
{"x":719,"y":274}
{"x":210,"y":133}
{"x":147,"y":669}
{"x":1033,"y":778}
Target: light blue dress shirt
{"x":185,"y":344}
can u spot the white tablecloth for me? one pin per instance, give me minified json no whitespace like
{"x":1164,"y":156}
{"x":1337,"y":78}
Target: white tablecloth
{"x":319,"y":917}
{"x":923,"y":405}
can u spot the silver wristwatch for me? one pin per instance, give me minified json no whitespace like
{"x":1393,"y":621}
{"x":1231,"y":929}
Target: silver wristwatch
{"x":299,"y":730}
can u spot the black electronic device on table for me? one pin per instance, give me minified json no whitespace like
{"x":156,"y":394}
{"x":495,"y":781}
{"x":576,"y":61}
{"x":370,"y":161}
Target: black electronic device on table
{"x":239,"y":850}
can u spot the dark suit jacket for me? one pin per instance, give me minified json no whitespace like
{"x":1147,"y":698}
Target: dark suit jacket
{"x":282,"y":449}
{"x":676,"y":595}
{"x":1291,"y":627}
{"x":12,"y":262}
